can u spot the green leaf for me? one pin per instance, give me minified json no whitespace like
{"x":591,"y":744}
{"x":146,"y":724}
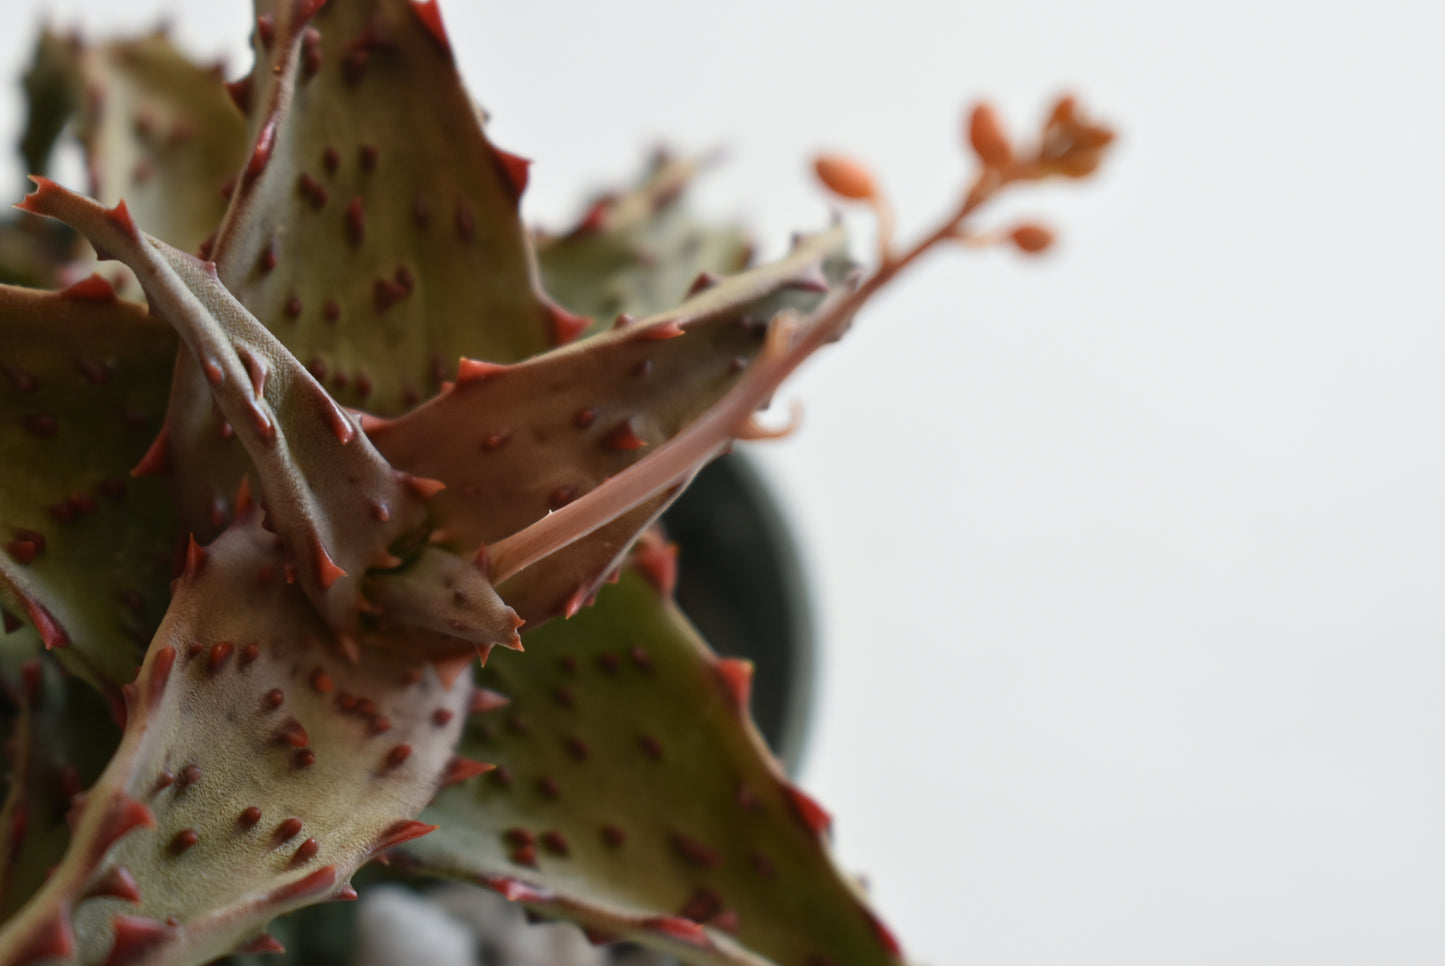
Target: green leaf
{"x":515,"y":443}
{"x":59,"y":735}
{"x":375,"y":228}
{"x":85,"y":550}
{"x":638,"y":251}
{"x":259,"y":768}
{"x":633,"y":795}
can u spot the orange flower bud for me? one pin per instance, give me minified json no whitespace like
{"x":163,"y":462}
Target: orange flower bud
{"x":845,"y":177}
{"x":986,"y":135}
{"x":1063,"y":113}
{"x":1031,"y":239}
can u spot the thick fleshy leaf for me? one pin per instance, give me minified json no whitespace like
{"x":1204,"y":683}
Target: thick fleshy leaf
{"x":85,"y":550}
{"x":669,"y":824}
{"x":258,"y":769}
{"x":159,"y":131}
{"x":375,"y":228}
{"x":638,"y":251}
{"x":336,"y":503}
{"x":52,"y":97}
{"x":58,"y":735}
{"x":514,"y":443}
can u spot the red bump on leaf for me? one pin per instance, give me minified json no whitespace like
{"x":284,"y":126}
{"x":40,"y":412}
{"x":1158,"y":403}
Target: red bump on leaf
{"x":703,"y":282}
{"x":694,"y":851}
{"x":676,"y":927}
{"x":813,"y":815}
{"x":650,"y":746}
{"x":327,"y":571}
{"x":397,"y":755}
{"x":515,"y":890}
{"x":261,"y":154}
{"x":475,"y":370}
{"x":157,"y":459}
{"x":274,"y":697}
{"x":663,"y":330}
{"x":485,"y":699}
{"x":240,"y":92}
{"x":123,"y":815}
{"x":92,"y":289}
{"x":355,"y":223}
{"x":613,"y":835}
{"x":430,"y":15}
{"x":287,"y":830}
{"x":37,"y":201}
{"x":737,"y":679}
{"x":385,"y":293}
{"x":884,"y":935}
{"x":556,"y":843}
{"x":314,"y":885}
{"x":403,"y":831}
{"x":321,"y":682}
{"x":516,"y":170}
{"x":341,"y":425}
{"x":702,"y":905}
{"x":305,"y":852}
{"x":623,"y":437}
{"x":119,"y":216}
{"x":566,"y":326}
{"x":183,"y":841}
{"x":346,"y":892}
{"x":136,"y":938}
{"x":422,"y":486}
{"x":460,"y":769}
{"x":264,"y":943}
{"x":292,"y":733}
{"x":304,"y":10}
{"x":249,"y":817}
{"x":41,"y":424}
{"x":195,"y":557}
{"x":160,"y":673}
{"x":116,"y":882}
{"x":656,"y":559}
{"x":220,"y":652}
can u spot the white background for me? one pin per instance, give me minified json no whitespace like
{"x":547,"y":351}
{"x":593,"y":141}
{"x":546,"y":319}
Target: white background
{"x":1130,"y":559}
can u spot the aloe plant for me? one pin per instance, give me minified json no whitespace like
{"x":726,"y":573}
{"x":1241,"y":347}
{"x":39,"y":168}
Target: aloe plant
{"x":293,"y":439}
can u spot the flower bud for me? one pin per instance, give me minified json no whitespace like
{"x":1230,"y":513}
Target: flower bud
{"x":986,"y":135}
{"x":1031,"y":239}
{"x":845,"y":177}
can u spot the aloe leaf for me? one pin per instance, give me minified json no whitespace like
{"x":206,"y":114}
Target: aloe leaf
{"x":59,"y":734}
{"x":85,"y":550}
{"x":157,"y":129}
{"x":259,"y":768}
{"x":375,"y":227}
{"x":639,"y":250}
{"x":515,"y":443}
{"x":668,"y":824}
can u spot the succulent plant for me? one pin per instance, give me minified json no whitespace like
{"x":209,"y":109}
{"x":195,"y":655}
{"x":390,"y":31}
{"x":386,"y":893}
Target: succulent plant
{"x":345,"y":447}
